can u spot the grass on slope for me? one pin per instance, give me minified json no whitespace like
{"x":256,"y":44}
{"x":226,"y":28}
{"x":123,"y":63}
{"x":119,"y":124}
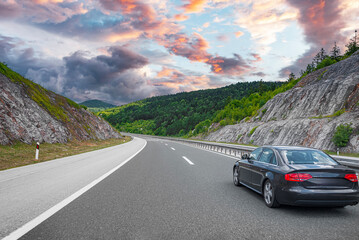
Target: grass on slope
{"x":21,"y":154}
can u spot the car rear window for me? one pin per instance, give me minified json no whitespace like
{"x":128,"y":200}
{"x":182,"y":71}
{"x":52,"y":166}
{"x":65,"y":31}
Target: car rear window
{"x":307,"y":157}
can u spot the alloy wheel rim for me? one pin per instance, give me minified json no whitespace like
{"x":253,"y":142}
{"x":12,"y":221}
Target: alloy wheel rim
{"x":235,"y":176}
{"x":268,"y":193}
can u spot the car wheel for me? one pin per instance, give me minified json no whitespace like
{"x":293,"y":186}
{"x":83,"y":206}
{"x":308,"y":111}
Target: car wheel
{"x":236,"y":177}
{"x":269,"y":195}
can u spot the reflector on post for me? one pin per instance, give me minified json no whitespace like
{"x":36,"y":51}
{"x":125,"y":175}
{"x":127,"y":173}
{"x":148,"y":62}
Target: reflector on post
{"x":37,"y":151}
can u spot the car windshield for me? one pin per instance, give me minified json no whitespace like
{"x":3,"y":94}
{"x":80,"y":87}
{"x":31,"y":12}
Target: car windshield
{"x":307,"y":157}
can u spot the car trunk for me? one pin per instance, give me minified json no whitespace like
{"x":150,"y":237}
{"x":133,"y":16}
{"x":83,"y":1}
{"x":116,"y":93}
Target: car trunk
{"x":325,"y":177}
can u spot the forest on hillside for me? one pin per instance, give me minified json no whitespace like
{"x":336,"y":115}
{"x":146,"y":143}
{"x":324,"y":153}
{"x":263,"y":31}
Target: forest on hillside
{"x":178,"y":114}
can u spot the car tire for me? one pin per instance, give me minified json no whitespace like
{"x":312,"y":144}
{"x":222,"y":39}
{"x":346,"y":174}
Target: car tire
{"x":269,"y":195}
{"x":236,"y":177}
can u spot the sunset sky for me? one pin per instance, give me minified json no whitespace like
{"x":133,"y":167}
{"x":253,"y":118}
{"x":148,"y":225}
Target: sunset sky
{"x":121,"y":51}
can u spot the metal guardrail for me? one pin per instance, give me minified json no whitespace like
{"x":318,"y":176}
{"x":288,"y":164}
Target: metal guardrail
{"x":239,"y":150}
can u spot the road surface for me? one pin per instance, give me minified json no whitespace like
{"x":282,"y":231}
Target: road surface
{"x":174,"y":191}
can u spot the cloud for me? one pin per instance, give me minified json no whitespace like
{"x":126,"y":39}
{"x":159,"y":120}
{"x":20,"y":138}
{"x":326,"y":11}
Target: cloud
{"x":223,"y":38}
{"x":231,"y":66}
{"x":259,"y":74}
{"x":9,"y":9}
{"x":195,"y":49}
{"x":239,"y":34}
{"x":139,"y":21}
{"x":40,"y":11}
{"x":20,"y":58}
{"x":169,"y":72}
{"x":181,"y":17}
{"x":321,"y":21}
{"x":218,"y":20}
{"x":176,"y":81}
{"x":263,"y":19}
{"x":194,"y":6}
{"x":206,"y":25}
{"x":140,"y":15}
{"x":256,"y":57}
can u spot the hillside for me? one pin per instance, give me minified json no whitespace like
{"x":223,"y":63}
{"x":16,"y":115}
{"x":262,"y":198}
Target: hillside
{"x":178,"y":114}
{"x":30,"y":113}
{"x":97,"y":104}
{"x":307,"y":114}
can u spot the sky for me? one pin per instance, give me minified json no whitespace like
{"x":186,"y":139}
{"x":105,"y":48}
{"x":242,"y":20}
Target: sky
{"x":120,"y":51}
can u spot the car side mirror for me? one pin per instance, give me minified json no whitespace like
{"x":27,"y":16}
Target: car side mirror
{"x":245,"y":156}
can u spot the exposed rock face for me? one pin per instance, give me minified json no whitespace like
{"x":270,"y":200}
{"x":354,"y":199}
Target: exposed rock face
{"x":22,"y":119}
{"x":288,"y":119}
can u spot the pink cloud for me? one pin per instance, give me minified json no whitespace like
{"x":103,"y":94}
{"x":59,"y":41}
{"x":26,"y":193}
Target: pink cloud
{"x":174,"y":79}
{"x":39,"y":11}
{"x":194,"y":6}
{"x":180,"y":17}
{"x":322,"y":22}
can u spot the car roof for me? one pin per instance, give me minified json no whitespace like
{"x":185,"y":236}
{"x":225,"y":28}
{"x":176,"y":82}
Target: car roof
{"x":281,"y":147}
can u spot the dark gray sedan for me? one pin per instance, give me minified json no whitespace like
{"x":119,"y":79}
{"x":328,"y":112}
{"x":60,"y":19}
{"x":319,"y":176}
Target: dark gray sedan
{"x":297,"y":176}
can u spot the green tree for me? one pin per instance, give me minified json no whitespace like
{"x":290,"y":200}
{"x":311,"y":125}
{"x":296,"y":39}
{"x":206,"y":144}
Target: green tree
{"x":335,"y":53}
{"x":342,"y":135}
{"x":291,"y":77}
{"x":317,"y":59}
{"x":322,"y":54}
{"x":352,"y":46}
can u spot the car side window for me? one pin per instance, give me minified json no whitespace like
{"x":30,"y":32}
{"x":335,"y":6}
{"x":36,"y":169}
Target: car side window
{"x":268,"y":156}
{"x":255,"y":154}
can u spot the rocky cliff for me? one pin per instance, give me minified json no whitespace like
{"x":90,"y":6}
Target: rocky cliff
{"x":306,"y":115}
{"x":30,"y":113}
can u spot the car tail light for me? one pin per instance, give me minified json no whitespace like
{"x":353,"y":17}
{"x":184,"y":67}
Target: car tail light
{"x":351,"y":177}
{"x":297,"y":177}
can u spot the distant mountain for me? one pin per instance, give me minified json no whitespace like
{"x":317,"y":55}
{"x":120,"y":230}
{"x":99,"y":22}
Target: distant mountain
{"x":30,"y":113}
{"x":178,"y":114}
{"x":97,"y":104}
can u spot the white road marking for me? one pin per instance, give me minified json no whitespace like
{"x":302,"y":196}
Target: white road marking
{"x":189,"y":161}
{"x":173,"y":148}
{"x":45,"y":215}
{"x":229,"y":156}
{"x":166,"y":144}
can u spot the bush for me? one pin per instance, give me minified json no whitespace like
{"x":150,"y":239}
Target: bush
{"x":83,"y":106}
{"x":252,"y":131}
{"x":342,"y":135}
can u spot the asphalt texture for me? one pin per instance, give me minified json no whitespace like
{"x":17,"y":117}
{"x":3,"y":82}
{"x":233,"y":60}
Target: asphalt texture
{"x":28,"y":191}
{"x":159,"y":195}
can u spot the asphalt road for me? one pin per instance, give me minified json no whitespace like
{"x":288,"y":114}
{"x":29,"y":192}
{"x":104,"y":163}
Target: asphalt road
{"x":174,"y":191}
{"x":26,"y":192}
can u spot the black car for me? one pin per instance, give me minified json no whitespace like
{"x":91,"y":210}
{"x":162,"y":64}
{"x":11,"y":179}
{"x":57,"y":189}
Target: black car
{"x":297,"y":176}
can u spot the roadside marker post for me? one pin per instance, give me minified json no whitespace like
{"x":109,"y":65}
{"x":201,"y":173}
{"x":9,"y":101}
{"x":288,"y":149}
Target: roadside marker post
{"x":37,"y":151}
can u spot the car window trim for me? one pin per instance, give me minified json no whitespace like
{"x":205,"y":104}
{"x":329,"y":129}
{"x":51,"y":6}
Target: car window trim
{"x":265,"y":162}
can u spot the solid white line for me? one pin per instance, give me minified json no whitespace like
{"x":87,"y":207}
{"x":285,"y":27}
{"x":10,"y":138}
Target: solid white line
{"x":173,"y":148}
{"x":48,"y":213}
{"x":189,"y":161}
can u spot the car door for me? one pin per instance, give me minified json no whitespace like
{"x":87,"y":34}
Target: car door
{"x":247,"y":167}
{"x":261,"y":167}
